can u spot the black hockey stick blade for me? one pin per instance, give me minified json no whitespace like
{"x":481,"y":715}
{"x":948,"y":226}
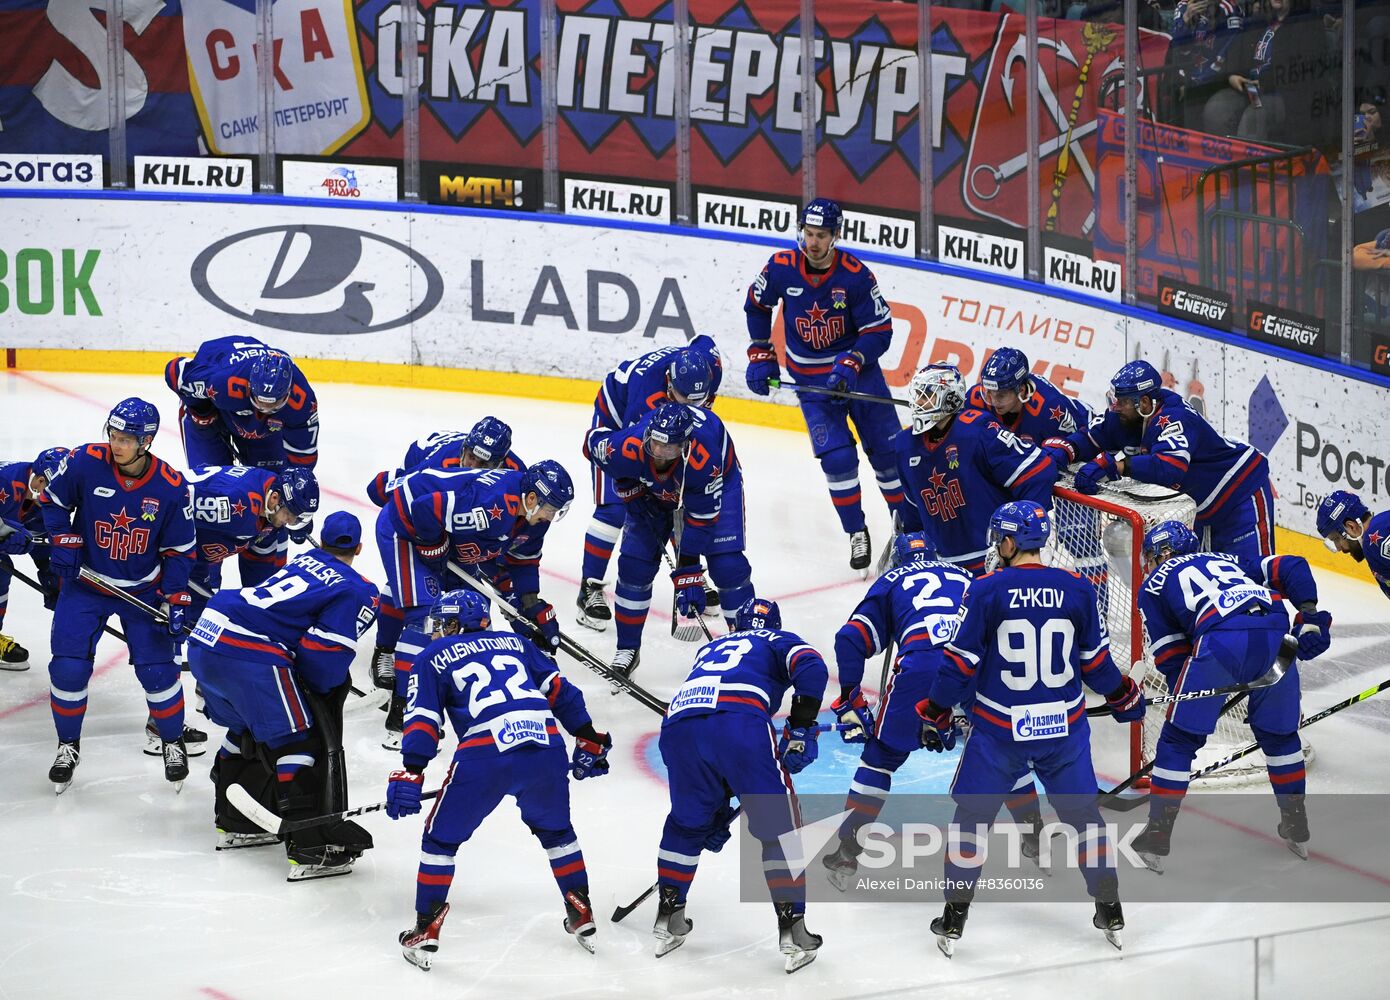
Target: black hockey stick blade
{"x":621,"y":912}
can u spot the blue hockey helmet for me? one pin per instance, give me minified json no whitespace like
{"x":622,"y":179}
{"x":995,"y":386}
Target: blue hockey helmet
{"x":299,"y":493}
{"x":690,"y":378}
{"x":134,"y":416}
{"x":1134,"y":381}
{"x":270,"y":378}
{"x":1337,"y":508}
{"x":913,"y":546}
{"x":48,"y":462}
{"x":552,"y":486}
{"x":466,"y":609}
{"x":757,"y":612}
{"x":824,"y":213}
{"x":669,"y":429}
{"x":1168,"y":538}
{"x":1006,"y":369}
{"x":489,"y":441}
{"x":1024,"y":521}
{"x":705,"y":344}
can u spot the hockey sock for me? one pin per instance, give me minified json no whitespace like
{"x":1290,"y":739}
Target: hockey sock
{"x":678,"y":857}
{"x":436,"y":873}
{"x":68,"y":678}
{"x":632,"y":599}
{"x":566,"y":859}
{"x":1022,"y":801}
{"x":409,"y":645}
{"x":869,"y":790}
{"x":730,"y":572}
{"x":890,"y":486}
{"x":841,"y":468}
{"x":965,"y":855}
{"x":1093,"y":852}
{"x":389,"y":623}
{"x":164,"y":695}
{"x":781,"y":884}
{"x":1172,"y":766}
{"x":1283,"y":752}
{"x":599,"y":539}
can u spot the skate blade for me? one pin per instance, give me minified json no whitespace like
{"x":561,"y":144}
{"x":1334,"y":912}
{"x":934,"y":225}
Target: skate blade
{"x":1300,"y":851}
{"x":240,"y":845}
{"x":838,"y":879}
{"x":178,"y":786}
{"x":1152,"y":862}
{"x":585,"y":939}
{"x":15,"y":667}
{"x":306,"y":873}
{"x":59,"y":787}
{"x":597,"y":624}
{"x":667,"y":943}
{"x":422,"y":960}
{"x":864,"y":573}
{"x":798,"y":959}
{"x":392,"y":742}
{"x":1114,"y":938}
{"x":947,"y":946}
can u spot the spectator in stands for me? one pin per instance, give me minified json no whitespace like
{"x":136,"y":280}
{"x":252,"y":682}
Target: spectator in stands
{"x":1203,"y":32}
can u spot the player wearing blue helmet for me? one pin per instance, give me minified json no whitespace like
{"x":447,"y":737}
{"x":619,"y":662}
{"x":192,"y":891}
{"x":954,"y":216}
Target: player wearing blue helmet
{"x":1348,"y":526}
{"x":1025,"y":403}
{"x":21,"y":485}
{"x":837,"y":325}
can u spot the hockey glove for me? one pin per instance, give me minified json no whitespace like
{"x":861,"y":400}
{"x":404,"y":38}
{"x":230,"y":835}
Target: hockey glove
{"x":797,"y":748}
{"x":48,"y":580}
{"x":435,"y":555}
{"x":1060,"y":451}
{"x":65,"y":555}
{"x":203,"y":414}
{"x":542,"y":615}
{"x":851,"y":708}
{"x":1089,"y":476}
{"x":176,"y":606}
{"x":844,"y":376}
{"x":403,"y":793}
{"x":938,"y":730}
{"x":1314,"y":631}
{"x":1126,"y":702}
{"x":689,"y":582}
{"x":590,"y":758}
{"x":303,"y":533}
{"x":16,"y":540}
{"x":722,"y":828}
{"x":649,"y":509}
{"x":762,"y":367}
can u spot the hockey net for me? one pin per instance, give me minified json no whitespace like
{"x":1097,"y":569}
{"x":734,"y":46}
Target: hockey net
{"x":1101,"y":537}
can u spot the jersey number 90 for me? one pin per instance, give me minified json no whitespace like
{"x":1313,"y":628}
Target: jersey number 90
{"x":1036,"y":653}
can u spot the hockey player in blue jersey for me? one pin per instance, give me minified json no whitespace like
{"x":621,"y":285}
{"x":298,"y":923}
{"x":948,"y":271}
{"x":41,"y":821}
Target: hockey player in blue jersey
{"x":502,"y":696}
{"x":1349,"y":527}
{"x":717,"y":740}
{"x":837,"y":326}
{"x":1150,"y":434}
{"x":690,"y":375}
{"x":243,"y":403}
{"x":21,"y":483}
{"x":912,"y":606}
{"x":1212,"y":623}
{"x":492,"y":521}
{"x":272,"y":661}
{"x":958,"y":465}
{"x":118,"y":511}
{"x":1028,"y":637}
{"x":1027,"y":405}
{"x":680,"y":478}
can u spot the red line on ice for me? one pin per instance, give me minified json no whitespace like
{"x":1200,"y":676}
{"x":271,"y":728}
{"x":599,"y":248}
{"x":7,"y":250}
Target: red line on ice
{"x":42,"y":699}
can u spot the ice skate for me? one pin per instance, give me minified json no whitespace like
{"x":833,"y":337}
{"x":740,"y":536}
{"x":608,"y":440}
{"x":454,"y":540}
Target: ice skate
{"x":842,"y":864}
{"x":419,"y":943}
{"x":950,"y":926}
{"x":797,"y":943}
{"x":671,"y":925}
{"x":323,"y":861}
{"x":384,"y":668}
{"x":1156,"y":839}
{"x":579,"y":918}
{"x":228,"y":840}
{"x":624,"y":663}
{"x":711,"y":602}
{"x":1030,"y":843}
{"x":1110,"y":918}
{"x":13,"y":656}
{"x":1293,"y":824}
{"x":395,"y":721}
{"x":594,"y":611}
{"x":175,"y":763}
{"x":860,"y":551}
{"x":64,"y":765}
{"x":195,"y":741}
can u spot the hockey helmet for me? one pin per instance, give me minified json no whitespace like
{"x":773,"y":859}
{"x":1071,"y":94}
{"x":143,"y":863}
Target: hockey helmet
{"x":913,"y":546}
{"x":489,"y":441}
{"x":1134,"y":381}
{"x":756,"y":612}
{"x":1336,"y":509}
{"x":1168,"y":538}
{"x":1006,"y":369}
{"x":690,"y":377}
{"x":821,"y":212}
{"x":668,"y":432}
{"x":552,"y":486}
{"x":299,"y":493}
{"x":270,"y":379}
{"x":468,"y":610}
{"x":134,"y":416}
{"x":1022,"y":520}
{"x":935,"y":392}
{"x":48,"y":462}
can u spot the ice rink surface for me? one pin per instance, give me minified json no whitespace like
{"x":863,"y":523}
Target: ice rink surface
{"x":113,"y":889}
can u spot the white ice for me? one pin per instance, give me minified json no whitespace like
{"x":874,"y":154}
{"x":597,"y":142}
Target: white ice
{"x":114,"y":888}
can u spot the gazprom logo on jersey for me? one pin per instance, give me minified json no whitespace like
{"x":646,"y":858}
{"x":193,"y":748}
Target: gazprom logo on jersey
{"x":317,"y":279}
{"x":515,"y":729}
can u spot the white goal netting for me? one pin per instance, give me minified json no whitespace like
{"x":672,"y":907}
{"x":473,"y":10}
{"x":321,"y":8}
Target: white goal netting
{"x":1102,"y":537}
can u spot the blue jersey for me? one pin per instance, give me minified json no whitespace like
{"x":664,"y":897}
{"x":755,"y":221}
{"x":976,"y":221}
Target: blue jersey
{"x":914,"y":606}
{"x":823,"y":314}
{"x":750,"y":673}
{"x":698,"y":483}
{"x":638,"y":386}
{"x":311,"y":614}
{"x":1202,"y":46}
{"x":1375,"y":545}
{"x":16,"y":506}
{"x":958,"y":481}
{"x":217,"y":376}
{"x":1186,"y":596}
{"x":499,"y":692}
{"x":1047,"y":413}
{"x":442,"y":450}
{"x":1028,"y":638}
{"x":228,"y":508}
{"x":1176,"y":447}
{"x":135,"y":532}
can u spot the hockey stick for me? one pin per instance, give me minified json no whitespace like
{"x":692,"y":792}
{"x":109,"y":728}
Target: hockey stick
{"x":1269,"y":678}
{"x":271,"y":823}
{"x":25,"y":578}
{"x":680,"y":628}
{"x":883,"y":674}
{"x":867,"y":397}
{"x":567,"y":644}
{"x":621,"y":912}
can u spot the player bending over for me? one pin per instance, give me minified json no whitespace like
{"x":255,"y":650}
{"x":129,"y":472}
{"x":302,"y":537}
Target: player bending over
{"x":1349,"y":527}
{"x":21,"y":484}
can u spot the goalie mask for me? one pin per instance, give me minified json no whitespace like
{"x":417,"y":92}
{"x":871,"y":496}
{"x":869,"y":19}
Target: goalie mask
{"x":935,"y":392}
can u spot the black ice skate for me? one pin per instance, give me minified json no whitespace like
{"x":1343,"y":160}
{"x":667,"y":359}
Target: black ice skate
{"x":594,"y":611}
{"x":419,"y":943}
{"x":711,"y":602}
{"x":859,"y":551}
{"x":579,"y":918}
{"x":319,"y":861}
{"x":13,"y":656}
{"x":231,"y":840}
{"x":1030,"y":843}
{"x":395,"y":721}
{"x":797,"y":943}
{"x":1156,"y":839}
{"x":950,"y":926}
{"x":384,"y":668}
{"x":625,"y":663}
{"x":671,"y":925}
{"x":1293,"y":824}
{"x":195,"y":741}
{"x":175,"y":763}
{"x":842,"y":864}
{"x":63,"y":765}
{"x":1110,"y":917}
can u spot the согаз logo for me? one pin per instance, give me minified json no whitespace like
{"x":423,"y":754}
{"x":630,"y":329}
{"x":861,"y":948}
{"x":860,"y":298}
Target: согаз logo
{"x":317,"y":279}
